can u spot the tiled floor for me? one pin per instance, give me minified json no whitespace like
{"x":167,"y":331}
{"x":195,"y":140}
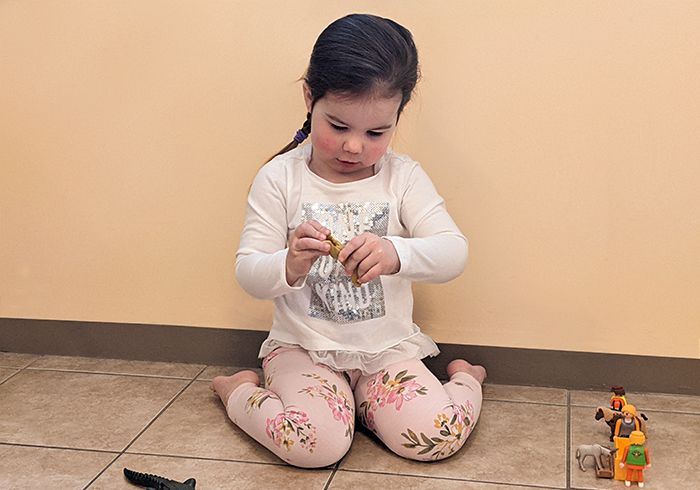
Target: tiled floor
{"x":75,"y":423}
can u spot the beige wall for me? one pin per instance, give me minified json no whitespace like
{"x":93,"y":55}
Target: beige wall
{"x":563,"y":134}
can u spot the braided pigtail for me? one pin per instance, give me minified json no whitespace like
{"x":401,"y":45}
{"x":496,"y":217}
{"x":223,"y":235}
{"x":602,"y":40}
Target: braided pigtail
{"x":301,"y":135}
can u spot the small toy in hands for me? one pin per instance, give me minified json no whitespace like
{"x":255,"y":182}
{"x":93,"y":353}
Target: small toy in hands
{"x":336,"y":247}
{"x":635,"y":459}
{"x":155,"y":482}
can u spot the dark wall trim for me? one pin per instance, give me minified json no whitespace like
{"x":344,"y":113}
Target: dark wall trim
{"x":226,"y":347}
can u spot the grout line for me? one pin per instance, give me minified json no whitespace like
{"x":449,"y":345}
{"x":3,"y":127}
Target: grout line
{"x":526,"y":402}
{"x":448,"y":478}
{"x":234,"y":369}
{"x":644,"y":410}
{"x":99,"y":474}
{"x":61,"y":448}
{"x":33,"y":361}
{"x":151,"y":422}
{"x":336,"y":467}
{"x":17,"y":371}
{"x":139,"y":453}
{"x":330,"y":478}
{"x":167,"y":405}
{"x":22,"y":367}
{"x":205,"y":458}
{"x":111,"y":373}
{"x":567,"y":442}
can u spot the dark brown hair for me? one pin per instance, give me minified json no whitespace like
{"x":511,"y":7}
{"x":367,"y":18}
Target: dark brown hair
{"x":357,"y":55}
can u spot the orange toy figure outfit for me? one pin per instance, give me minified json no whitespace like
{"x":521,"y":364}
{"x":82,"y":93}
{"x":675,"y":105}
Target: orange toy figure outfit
{"x":628,"y":423}
{"x":617,"y":400}
{"x":635,"y":458}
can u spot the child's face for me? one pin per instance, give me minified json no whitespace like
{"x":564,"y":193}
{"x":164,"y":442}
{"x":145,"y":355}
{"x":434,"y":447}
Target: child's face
{"x":349,"y":135}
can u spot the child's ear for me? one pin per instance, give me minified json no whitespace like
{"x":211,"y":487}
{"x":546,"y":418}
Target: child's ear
{"x":308,"y":99}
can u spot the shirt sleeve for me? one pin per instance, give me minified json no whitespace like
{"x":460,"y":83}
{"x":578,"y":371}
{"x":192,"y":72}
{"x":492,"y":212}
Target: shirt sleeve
{"x":435,"y":250}
{"x":262,"y":253}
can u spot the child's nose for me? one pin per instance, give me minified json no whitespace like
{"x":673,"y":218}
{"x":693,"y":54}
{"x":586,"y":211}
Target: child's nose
{"x":352,"y":144}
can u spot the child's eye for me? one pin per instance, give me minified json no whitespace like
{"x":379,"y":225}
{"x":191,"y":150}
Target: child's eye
{"x":374,"y":134}
{"x":338,"y":128}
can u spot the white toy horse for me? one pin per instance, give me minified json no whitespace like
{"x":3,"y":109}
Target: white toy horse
{"x":595,"y":450}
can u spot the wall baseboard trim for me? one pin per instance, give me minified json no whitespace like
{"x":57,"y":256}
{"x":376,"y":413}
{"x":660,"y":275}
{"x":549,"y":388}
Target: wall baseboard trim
{"x":227,"y":347}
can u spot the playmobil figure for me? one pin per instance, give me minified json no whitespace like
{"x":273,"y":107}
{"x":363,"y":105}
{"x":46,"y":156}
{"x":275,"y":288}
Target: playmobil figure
{"x":611,"y":417}
{"x":596,"y":451}
{"x":635,"y":459}
{"x":628,"y":423}
{"x":617,"y":400}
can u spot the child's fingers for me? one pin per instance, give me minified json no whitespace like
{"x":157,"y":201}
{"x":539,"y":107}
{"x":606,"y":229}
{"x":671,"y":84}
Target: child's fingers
{"x":312,"y":244}
{"x":312,"y":229}
{"x":356,"y":258}
{"x":373,"y":273}
{"x":350,"y":248}
{"x":319,"y":229}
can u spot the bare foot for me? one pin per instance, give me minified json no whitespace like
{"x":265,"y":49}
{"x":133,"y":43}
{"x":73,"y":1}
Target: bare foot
{"x":462,"y":366}
{"x":224,"y":385}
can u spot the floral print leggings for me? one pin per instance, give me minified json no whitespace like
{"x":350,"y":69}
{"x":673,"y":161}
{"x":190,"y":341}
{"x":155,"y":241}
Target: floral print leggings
{"x":306,"y":412}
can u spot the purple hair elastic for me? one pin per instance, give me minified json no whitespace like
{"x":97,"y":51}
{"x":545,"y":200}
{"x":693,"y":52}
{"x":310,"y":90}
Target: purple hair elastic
{"x":300,"y":136}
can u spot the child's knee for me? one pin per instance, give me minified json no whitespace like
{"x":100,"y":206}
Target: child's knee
{"x":328,"y":451}
{"x":430,"y":445}
{"x":431,"y":437}
{"x":308,"y":439}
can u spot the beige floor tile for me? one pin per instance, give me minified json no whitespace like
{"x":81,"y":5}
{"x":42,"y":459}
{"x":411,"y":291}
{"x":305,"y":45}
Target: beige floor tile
{"x":534,"y":394}
{"x":212,"y":371}
{"x":212,"y":475}
{"x":518,"y":443}
{"x":196,"y":425}
{"x":12,"y":359}
{"x":350,"y":480}
{"x":36,"y":468}
{"x":642,"y":401}
{"x":77,"y":410}
{"x":118,"y":366}
{"x":672,"y":446}
{"x":6,"y":373}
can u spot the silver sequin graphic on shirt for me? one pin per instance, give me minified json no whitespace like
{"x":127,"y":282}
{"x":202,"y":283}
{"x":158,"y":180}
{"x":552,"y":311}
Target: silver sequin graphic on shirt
{"x":333,"y":296}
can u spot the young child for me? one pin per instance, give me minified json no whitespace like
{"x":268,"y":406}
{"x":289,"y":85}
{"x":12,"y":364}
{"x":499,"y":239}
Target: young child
{"x":343,"y":339}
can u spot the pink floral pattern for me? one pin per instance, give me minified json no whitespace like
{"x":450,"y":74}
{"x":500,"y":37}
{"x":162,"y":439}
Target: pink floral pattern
{"x":337,"y":401}
{"x":384,"y":391}
{"x":258,"y":397}
{"x":270,"y":357}
{"x":290,"y":425}
{"x":453,"y":432}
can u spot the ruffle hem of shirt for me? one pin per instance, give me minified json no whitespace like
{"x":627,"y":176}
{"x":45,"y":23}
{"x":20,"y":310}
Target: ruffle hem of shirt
{"x":417,"y":346}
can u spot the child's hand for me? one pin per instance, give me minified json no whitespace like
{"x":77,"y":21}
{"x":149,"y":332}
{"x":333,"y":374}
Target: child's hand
{"x":305,"y":245}
{"x":371,"y":255}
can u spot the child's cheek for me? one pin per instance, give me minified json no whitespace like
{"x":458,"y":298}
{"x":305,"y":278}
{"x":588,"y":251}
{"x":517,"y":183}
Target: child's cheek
{"x":325,"y":144}
{"x":376,"y":152}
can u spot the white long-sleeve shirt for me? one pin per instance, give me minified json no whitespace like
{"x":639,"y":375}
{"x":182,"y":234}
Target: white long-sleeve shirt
{"x":341,"y":325}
